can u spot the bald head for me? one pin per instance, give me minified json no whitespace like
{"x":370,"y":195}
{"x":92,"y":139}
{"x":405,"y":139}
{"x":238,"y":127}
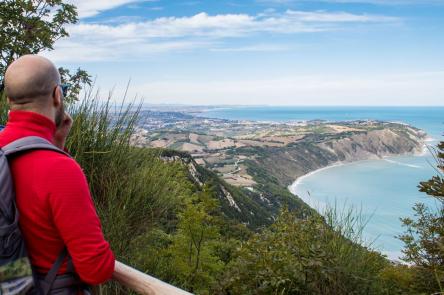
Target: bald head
{"x":30,"y":80}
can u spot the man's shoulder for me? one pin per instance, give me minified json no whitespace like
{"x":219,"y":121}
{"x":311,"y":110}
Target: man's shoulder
{"x":57,"y":158}
{"x":55,"y":162}
{"x":59,"y":168}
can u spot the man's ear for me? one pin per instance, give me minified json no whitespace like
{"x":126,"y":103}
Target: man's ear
{"x":57,"y":96}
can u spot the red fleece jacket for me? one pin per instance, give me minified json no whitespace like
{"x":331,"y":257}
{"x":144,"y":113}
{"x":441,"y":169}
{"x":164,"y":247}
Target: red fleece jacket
{"x":55,"y":205}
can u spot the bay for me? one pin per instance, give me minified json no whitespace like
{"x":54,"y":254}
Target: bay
{"x":383,"y":190}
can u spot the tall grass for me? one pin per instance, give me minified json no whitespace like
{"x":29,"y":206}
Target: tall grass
{"x":135,"y":192}
{"x":355,"y":263}
{"x":3,"y":109}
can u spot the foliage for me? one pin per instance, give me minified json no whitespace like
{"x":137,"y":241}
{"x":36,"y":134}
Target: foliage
{"x":424,"y":235}
{"x":161,"y":222}
{"x":30,"y":26}
{"x":435,"y":186}
{"x":270,"y":187}
{"x":193,"y":248}
{"x":398,"y":279}
{"x":306,"y":256}
{"x":155,"y":218}
{"x":77,"y":81}
{"x":3,"y":109}
{"x":245,"y":202}
{"x":158,"y":220}
{"x":136,"y":193}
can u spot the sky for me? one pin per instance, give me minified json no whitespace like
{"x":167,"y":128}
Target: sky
{"x":261,"y":52}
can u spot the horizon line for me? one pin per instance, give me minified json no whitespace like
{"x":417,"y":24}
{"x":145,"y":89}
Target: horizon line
{"x":289,"y":105}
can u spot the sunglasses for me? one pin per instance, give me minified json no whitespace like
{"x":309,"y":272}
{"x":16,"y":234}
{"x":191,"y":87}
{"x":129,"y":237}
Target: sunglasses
{"x":65,"y":87}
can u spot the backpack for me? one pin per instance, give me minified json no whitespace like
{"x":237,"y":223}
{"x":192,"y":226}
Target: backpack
{"x":16,"y":275}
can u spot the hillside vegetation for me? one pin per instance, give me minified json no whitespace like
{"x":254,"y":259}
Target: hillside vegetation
{"x":163,"y":220}
{"x":163,"y":217}
{"x":252,"y":163}
{"x":168,"y":216}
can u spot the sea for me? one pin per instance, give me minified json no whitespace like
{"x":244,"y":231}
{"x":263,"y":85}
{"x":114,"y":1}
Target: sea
{"x":381,"y":191}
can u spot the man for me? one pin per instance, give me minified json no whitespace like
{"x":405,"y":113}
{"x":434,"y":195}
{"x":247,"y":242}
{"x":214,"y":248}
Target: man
{"x":52,"y":194}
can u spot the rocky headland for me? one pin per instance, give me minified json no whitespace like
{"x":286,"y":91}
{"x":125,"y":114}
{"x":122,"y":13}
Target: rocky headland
{"x":253,"y":163}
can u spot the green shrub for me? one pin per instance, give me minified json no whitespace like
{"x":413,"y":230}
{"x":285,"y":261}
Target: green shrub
{"x":424,"y":235}
{"x":306,"y":256}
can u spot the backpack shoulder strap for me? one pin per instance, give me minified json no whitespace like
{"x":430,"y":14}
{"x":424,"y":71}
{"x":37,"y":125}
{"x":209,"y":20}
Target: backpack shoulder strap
{"x":30,"y":143}
{"x":50,"y":277}
{"x":62,"y":283}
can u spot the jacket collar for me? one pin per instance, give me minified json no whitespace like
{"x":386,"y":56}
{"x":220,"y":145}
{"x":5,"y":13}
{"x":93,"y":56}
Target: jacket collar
{"x":26,"y":123}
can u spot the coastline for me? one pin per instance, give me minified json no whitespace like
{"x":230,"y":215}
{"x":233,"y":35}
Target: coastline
{"x":293,"y":186}
{"x":301,"y":178}
{"x":385,"y":244}
{"x":310,"y":201}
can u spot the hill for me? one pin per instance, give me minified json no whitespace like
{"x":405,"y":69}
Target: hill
{"x":250,"y":164}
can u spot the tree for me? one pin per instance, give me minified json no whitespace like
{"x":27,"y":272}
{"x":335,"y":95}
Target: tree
{"x":424,"y":236}
{"x":193,"y":249}
{"x":77,"y":82}
{"x":31,"y":26}
{"x":435,"y":186}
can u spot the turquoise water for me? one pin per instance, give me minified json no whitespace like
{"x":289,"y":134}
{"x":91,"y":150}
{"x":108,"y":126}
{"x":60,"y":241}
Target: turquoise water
{"x":384,"y":190}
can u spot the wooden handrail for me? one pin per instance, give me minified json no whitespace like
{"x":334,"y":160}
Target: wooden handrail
{"x":143,"y":283}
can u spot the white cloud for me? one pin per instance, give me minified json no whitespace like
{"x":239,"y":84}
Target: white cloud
{"x":401,"y":89}
{"x":338,"y":17}
{"x":378,"y":2}
{"x":130,"y":39}
{"x":388,"y":2}
{"x":87,"y":8}
{"x":115,"y":50}
{"x":253,"y":48}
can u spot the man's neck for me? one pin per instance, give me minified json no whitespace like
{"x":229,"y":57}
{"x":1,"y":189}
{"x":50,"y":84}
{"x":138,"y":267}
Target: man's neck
{"x":46,"y":113}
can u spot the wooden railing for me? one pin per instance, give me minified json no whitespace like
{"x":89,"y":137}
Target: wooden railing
{"x":148,"y":285}
{"x":143,"y":283}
